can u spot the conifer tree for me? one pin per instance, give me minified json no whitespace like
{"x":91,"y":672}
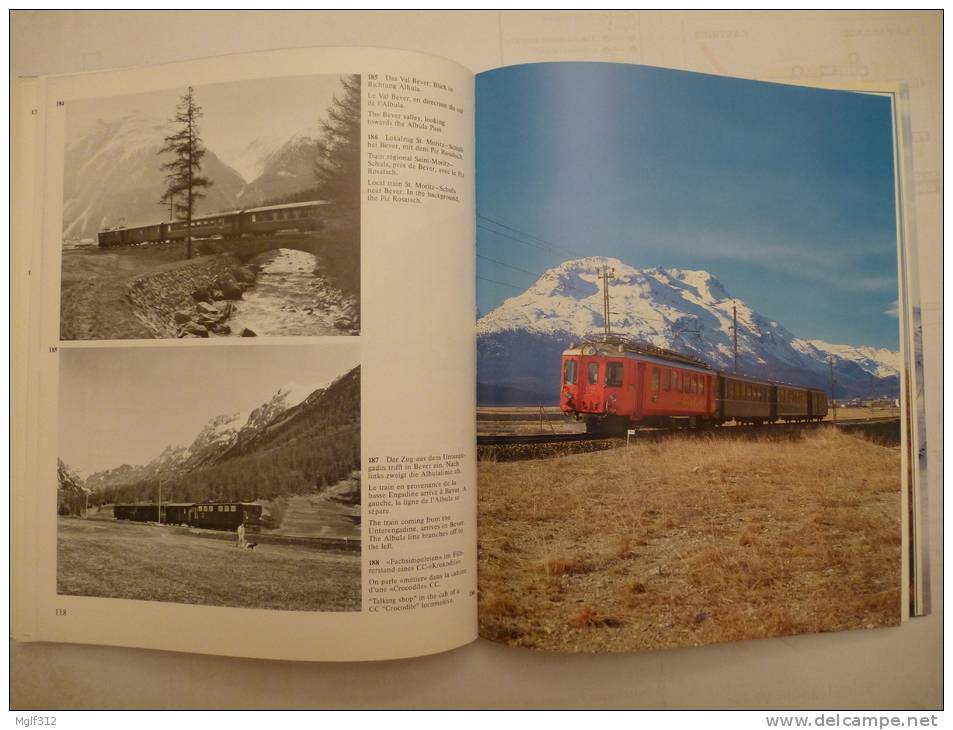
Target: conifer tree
{"x":184,"y":183}
{"x":338,"y":167}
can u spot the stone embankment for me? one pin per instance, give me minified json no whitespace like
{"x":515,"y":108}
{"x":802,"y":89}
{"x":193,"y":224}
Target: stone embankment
{"x":190,"y":298}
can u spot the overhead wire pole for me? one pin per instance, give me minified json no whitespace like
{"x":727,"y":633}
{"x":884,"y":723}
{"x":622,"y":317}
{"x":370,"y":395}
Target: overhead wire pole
{"x":734,"y":331}
{"x":606,"y":273}
{"x":830,"y":361}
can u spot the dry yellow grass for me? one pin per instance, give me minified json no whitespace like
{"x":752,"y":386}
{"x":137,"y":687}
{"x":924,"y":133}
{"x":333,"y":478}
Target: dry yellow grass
{"x":687,"y":542}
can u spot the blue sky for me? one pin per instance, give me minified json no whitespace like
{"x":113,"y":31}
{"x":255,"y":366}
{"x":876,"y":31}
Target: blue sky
{"x":786,"y":194}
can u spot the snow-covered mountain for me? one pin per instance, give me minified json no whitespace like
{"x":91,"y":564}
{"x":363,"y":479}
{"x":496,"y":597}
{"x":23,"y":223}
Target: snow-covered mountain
{"x":286,"y":169}
{"x":252,"y":158}
{"x":113,"y":173}
{"x":221,"y":435}
{"x":113,"y":176}
{"x":520,"y":342}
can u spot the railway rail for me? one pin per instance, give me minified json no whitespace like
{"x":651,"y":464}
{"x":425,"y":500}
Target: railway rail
{"x":521,"y":446}
{"x":539,"y":438}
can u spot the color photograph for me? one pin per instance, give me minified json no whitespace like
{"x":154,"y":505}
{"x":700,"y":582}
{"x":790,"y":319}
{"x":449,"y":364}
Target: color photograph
{"x":688,"y":366}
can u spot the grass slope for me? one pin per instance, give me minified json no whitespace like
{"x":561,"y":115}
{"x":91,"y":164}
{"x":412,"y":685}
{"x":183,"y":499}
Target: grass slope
{"x":686,"y":542}
{"x":151,"y":563}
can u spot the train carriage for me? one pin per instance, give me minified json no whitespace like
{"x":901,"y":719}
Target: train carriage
{"x":613,"y":383}
{"x":224,"y":225}
{"x":176,"y":513}
{"x":208,"y":515}
{"x":791,"y":403}
{"x":743,"y":400}
{"x":817,"y":404}
{"x":110,"y":237}
{"x":225,"y":515}
{"x":295,"y":216}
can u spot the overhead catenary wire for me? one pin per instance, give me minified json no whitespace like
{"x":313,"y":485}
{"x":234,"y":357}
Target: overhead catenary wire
{"x":540,"y":243}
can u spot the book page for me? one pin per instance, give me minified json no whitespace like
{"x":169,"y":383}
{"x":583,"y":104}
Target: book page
{"x":250,"y":358}
{"x":694,"y":364}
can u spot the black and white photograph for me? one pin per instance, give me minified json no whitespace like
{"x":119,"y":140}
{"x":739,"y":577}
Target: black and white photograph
{"x":224,"y":210}
{"x":213,"y":475}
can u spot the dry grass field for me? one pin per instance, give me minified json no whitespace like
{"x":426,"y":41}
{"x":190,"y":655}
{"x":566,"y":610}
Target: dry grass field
{"x":687,"y":542}
{"x":162,"y":563}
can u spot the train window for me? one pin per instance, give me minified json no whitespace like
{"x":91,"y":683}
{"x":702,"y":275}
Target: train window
{"x":666,"y":379}
{"x":655,"y":380}
{"x":614,"y":374}
{"x":592,"y":372}
{"x":231,"y":508}
{"x":570,"y":376}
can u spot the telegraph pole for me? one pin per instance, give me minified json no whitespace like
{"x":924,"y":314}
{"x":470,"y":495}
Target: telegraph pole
{"x":734,"y":330}
{"x":159,"y":514}
{"x":606,"y":273}
{"x":830,"y":361}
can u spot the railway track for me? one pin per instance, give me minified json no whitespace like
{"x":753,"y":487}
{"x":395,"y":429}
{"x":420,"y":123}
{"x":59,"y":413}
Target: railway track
{"x":540,"y":446}
{"x":539,"y":438}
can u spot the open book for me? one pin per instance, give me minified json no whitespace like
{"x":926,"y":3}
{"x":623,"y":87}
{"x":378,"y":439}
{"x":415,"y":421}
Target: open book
{"x":348,"y":354}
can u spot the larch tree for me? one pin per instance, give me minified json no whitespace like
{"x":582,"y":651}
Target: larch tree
{"x":184,"y":182}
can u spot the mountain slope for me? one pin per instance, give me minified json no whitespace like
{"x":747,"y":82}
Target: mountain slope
{"x":284,"y":171}
{"x":113,"y":176}
{"x":300,"y":438}
{"x":519,"y":344}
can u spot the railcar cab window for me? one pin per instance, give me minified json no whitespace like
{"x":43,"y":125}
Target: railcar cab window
{"x":570,"y":374}
{"x":614,"y":374}
{"x":592,"y":373}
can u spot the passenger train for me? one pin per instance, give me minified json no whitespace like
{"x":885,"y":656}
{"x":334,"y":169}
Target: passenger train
{"x":210,"y":515}
{"x":302,"y":217}
{"x":614,"y":383}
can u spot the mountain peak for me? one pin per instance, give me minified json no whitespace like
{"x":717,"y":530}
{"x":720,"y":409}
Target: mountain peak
{"x":688,"y":310}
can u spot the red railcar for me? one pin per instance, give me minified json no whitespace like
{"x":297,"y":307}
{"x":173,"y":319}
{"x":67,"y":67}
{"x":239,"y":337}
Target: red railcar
{"x":614,"y":383}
